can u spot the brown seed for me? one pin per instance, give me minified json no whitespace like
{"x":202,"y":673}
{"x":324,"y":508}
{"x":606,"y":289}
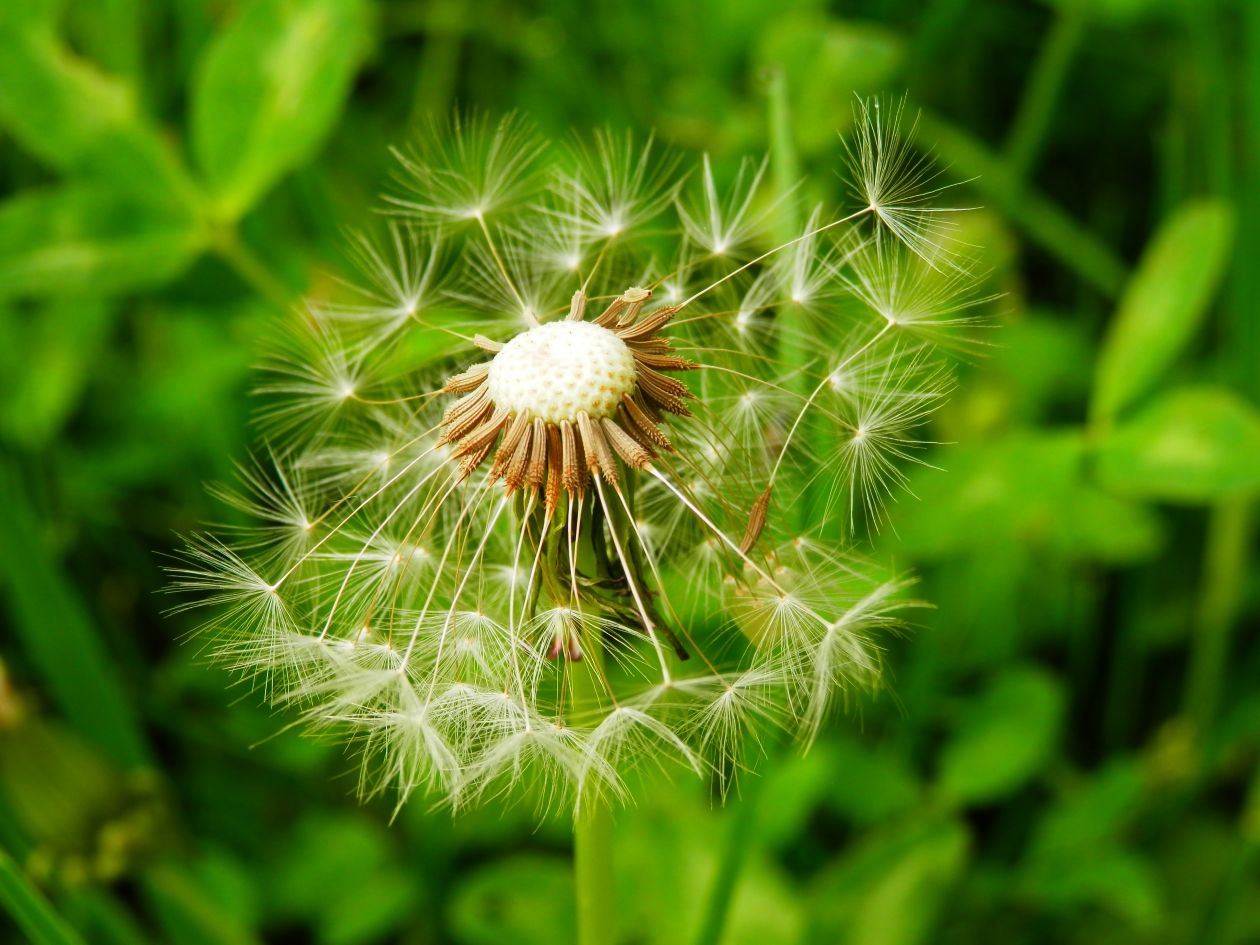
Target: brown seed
{"x":467,"y":380}
{"x":629,"y":449}
{"x":516,"y":429}
{"x":599,"y":458}
{"x":536,"y":471}
{"x":555,"y":469}
{"x":756,"y":521}
{"x":514,"y":473}
{"x":642,"y":423}
{"x":575,"y":476}
{"x":484,"y":435}
{"x":650,"y":325}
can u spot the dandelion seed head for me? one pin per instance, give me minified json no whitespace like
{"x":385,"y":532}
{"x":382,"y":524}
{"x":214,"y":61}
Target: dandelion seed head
{"x":543,"y":501}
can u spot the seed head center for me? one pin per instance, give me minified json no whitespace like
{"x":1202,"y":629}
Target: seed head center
{"x":561,"y":369}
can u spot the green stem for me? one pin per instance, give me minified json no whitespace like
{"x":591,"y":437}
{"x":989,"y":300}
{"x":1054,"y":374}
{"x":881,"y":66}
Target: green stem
{"x":734,"y":855}
{"x":1041,"y":220}
{"x":938,"y":25}
{"x":785,"y":168}
{"x":252,"y":270}
{"x":28,"y":908}
{"x":438,"y":69}
{"x":1224,"y":569}
{"x":1242,"y":327}
{"x":592,"y":828}
{"x":1231,"y":892}
{"x":1041,"y":94}
{"x":592,"y":863}
{"x":57,"y":631}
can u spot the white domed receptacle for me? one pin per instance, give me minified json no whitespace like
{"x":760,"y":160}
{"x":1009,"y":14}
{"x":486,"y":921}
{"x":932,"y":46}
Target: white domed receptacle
{"x":561,"y":369}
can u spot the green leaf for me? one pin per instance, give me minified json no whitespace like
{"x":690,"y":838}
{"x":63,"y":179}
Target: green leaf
{"x":1096,"y":811}
{"x":869,"y":785}
{"x":28,"y":16}
{"x":891,"y":888}
{"x":1163,"y":304}
{"x":346,"y":909}
{"x":57,"y":633}
{"x":54,"y":103}
{"x":90,"y":238}
{"x":1005,"y":738}
{"x":1028,"y":489}
{"x":523,"y":899}
{"x":30,"y":910}
{"x":1107,"y":877}
{"x":269,"y":89}
{"x":74,"y":117}
{"x":110,"y":31}
{"x":1193,"y":444}
{"x":47,"y":358}
{"x":186,"y":912}
{"x":1077,"y":858}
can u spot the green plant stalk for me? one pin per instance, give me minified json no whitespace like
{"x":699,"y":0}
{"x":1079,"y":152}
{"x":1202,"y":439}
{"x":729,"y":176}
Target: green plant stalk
{"x":938,"y":24}
{"x":592,"y":826}
{"x":106,"y":920}
{"x":785,"y":167}
{"x":30,"y":911}
{"x":242,"y":260}
{"x":1244,"y":296}
{"x":1224,"y":569}
{"x":1041,"y":95}
{"x":1214,"y":104}
{"x":184,"y":910}
{"x":1219,"y":915}
{"x":735,"y":850}
{"x":59,"y":636}
{"x":1041,"y":220}
{"x":438,"y":70}
{"x":785,"y":171}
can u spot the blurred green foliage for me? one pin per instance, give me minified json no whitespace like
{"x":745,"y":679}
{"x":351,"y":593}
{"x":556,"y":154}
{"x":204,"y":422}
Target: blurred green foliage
{"x":1069,"y":749}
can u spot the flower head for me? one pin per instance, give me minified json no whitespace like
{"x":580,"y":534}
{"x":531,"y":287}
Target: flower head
{"x":561,"y":491}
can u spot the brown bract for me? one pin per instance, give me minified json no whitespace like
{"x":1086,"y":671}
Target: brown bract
{"x":559,"y":458}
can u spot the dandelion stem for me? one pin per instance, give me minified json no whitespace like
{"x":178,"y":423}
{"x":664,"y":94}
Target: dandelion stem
{"x":592,"y":826}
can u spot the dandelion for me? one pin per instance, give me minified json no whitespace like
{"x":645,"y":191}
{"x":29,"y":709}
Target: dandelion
{"x":546,"y":504}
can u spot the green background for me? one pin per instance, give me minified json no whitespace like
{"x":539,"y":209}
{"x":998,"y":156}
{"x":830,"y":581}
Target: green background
{"x":1068,"y":748}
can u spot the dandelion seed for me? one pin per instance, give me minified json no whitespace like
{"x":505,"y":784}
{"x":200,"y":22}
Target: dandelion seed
{"x":722,"y":222}
{"x":897,"y":183}
{"x":466,"y":169}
